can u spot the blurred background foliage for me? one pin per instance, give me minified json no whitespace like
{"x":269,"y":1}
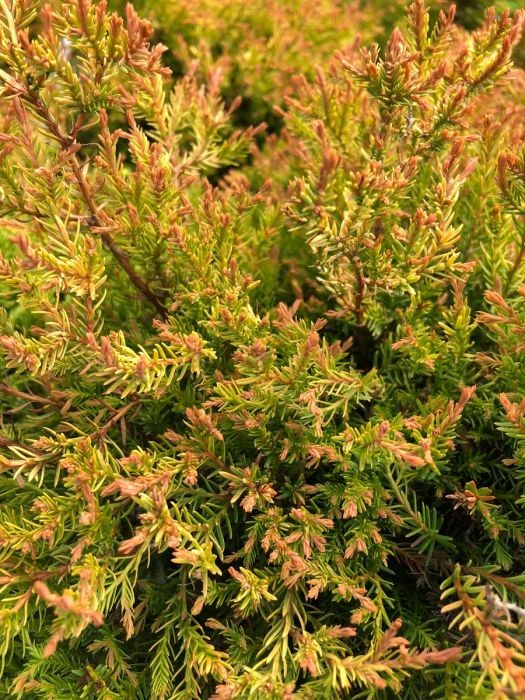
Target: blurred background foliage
{"x":262,"y":46}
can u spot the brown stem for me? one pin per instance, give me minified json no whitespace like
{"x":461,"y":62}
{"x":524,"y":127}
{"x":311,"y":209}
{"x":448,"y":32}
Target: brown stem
{"x":495,"y":579}
{"x":67,"y":142}
{"x":6,"y":389}
{"x":113,"y":420}
{"x":7,"y":442}
{"x":119,"y":254}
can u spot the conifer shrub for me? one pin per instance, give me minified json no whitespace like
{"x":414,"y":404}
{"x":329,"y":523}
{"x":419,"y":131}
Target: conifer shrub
{"x":262,"y":397}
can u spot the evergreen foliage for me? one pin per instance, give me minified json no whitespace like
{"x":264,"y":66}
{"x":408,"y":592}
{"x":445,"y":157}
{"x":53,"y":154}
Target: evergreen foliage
{"x":262,"y":394}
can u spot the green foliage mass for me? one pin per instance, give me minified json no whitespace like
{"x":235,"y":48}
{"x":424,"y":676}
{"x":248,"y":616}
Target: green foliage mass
{"x":262,"y":414}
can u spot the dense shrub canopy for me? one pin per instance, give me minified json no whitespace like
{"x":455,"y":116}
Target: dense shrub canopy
{"x":262,"y":388}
